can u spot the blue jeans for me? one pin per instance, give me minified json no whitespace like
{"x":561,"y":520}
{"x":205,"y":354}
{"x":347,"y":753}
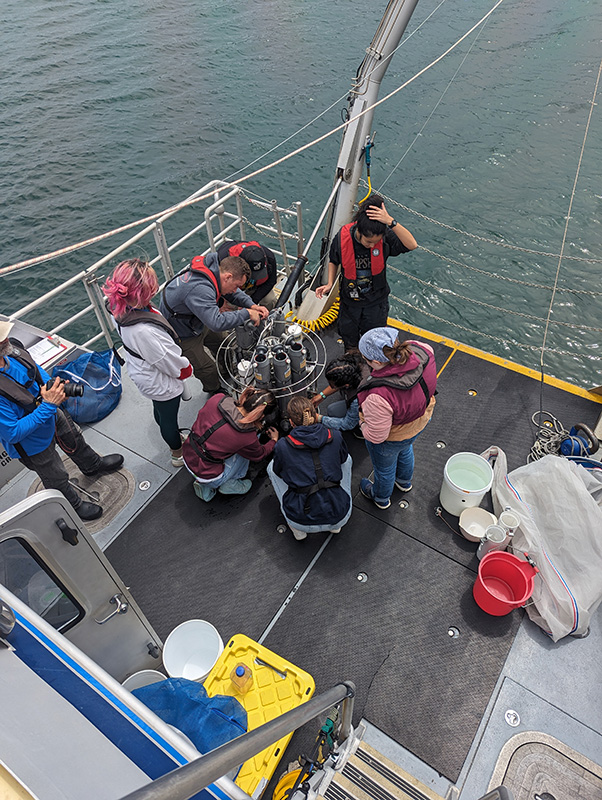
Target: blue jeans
{"x":392,"y":461}
{"x":234,"y":467}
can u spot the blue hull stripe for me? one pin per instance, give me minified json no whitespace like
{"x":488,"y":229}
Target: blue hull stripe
{"x":122,"y":726}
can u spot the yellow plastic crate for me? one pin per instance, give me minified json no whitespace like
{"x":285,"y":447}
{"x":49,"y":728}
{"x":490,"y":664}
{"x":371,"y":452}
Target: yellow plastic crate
{"x":277,"y":687}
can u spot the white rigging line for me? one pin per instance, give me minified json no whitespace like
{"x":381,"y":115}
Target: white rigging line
{"x":568,"y":219}
{"x":485,"y":239}
{"x":332,"y":105}
{"x":261,"y":170}
{"x":435,"y":107}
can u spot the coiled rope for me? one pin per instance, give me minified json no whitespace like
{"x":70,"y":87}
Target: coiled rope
{"x":549,"y":436}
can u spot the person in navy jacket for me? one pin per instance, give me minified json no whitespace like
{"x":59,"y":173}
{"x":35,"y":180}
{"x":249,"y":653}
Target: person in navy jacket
{"x":311,"y":473}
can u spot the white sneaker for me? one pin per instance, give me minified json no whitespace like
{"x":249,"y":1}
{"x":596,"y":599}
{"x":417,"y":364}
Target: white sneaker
{"x":299,"y":535}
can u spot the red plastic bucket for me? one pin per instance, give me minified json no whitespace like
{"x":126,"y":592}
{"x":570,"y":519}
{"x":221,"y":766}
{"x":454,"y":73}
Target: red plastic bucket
{"x":504,"y":582}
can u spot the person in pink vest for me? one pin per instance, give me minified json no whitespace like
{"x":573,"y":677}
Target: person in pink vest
{"x":396,"y":404}
{"x":361,"y":250}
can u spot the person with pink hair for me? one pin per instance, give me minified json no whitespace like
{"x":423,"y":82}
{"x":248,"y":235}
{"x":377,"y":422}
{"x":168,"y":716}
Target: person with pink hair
{"x":153,"y":355}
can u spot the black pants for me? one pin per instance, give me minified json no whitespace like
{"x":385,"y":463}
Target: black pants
{"x":355,"y":319}
{"x":49,"y":466}
{"x":166,"y":417}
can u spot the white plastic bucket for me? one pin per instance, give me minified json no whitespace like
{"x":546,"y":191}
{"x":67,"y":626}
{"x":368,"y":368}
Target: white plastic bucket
{"x":467,"y":477}
{"x":143,"y":678}
{"x":191,"y":650}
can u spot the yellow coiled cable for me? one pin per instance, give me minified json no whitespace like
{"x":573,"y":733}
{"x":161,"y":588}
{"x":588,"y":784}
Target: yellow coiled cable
{"x":327,"y":318}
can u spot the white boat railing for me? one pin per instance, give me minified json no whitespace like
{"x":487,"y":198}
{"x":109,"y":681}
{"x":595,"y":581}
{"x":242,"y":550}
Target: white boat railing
{"x":223,"y":219}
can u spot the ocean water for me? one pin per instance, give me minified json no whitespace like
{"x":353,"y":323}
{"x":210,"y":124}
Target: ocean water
{"x":111,"y":111}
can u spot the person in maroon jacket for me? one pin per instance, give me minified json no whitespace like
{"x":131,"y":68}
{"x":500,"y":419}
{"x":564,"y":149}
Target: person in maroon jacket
{"x":396,"y":403}
{"x":224,"y":439}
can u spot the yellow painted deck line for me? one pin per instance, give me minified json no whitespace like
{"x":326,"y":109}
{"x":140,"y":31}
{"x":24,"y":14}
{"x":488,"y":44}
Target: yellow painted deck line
{"x":448,"y":359}
{"x":502,"y":362}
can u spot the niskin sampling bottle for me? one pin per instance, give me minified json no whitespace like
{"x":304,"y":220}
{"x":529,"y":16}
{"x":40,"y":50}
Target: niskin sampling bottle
{"x":242,"y":678}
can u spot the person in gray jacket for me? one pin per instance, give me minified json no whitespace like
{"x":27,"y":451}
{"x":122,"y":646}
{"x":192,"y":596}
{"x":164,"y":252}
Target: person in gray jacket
{"x":191,"y":302}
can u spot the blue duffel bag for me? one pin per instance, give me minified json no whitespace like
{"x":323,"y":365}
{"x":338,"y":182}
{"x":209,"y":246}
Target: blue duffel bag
{"x":100,"y":375}
{"x":207,"y":721}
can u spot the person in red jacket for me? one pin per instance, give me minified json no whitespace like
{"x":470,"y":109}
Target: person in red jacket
{"x":224,"y":439}
{"x":361,"y":250}
{"x":264,"y":270}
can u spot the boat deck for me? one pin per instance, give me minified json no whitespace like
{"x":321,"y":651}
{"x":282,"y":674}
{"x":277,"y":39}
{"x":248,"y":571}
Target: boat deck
{"x":375,"y":603}
{"x":378,"y":602}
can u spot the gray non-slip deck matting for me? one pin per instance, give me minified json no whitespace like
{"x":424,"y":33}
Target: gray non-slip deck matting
{"x":225,"y":562}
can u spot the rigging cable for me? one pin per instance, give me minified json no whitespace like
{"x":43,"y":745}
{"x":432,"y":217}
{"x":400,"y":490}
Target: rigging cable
{"x":564,"y":235}
{"x":514,"y":343}
{"x":435,"y":107}
{"x":590,"y":292}
{"x":194,"y":200}
{"x":332,"y":105}
{"x":444,"y":290}
{"x":489,"y":241}
{"x":88,"y":242}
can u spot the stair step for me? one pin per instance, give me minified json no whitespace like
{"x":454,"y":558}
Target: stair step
{"x":368,"y":775}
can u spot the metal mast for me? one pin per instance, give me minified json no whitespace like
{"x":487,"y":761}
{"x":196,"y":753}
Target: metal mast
{"x":364,"y":92}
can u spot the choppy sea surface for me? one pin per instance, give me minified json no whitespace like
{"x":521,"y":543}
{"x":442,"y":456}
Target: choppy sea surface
{"x":112,"y":110}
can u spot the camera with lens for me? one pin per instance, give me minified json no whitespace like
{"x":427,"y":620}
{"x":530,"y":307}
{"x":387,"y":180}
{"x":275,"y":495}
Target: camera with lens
{"x":71,"y":389}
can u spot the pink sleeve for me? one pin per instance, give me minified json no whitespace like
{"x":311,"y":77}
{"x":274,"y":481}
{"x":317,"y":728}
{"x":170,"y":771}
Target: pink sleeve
{"x":378,"y":418}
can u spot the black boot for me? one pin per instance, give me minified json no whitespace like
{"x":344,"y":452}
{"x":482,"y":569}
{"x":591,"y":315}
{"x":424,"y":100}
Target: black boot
{"x":88,"y":511}
{"x":109,"y":463}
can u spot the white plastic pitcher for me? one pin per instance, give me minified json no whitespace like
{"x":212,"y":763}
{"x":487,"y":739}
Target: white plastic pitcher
{"x":467,"y":477}
{"x":191,"y":650}
{"x":496,"y":538}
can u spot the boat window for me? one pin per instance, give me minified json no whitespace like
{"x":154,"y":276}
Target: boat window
{"x":31,"y":581}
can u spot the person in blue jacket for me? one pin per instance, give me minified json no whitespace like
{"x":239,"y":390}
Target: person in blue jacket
{"x":31,"y":421}
{"x":311,"y":473}
{"x":344,"y":375}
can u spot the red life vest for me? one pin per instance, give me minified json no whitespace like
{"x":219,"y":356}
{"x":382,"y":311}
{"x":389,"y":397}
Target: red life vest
{"x":377,"y":259}
{"x":198,"y":265}
{"x":259,"y":270}
{"x":237,"y":249}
